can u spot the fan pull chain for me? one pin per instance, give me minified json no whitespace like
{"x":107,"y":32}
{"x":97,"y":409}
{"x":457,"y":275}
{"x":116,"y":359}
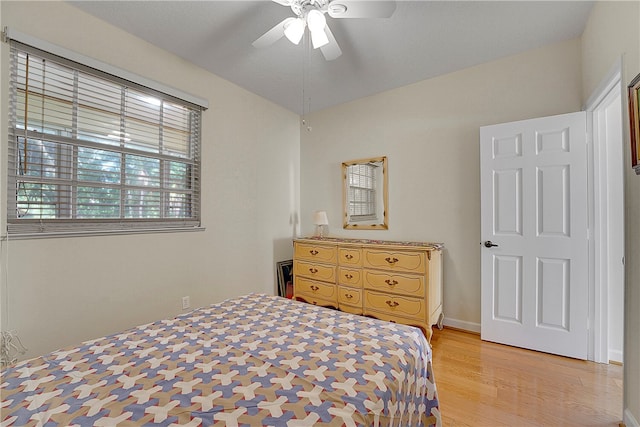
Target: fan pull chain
{"x":306,"y":67}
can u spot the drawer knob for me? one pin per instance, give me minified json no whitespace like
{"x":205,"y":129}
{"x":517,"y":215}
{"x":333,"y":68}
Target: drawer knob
{"x":349,"y":296}
{"x":314,"y":288}
{"x":348,"y":256}
{"x":313,"y":270}
{"x":391,"y":260}
{"x":391,"y":282}
{"x":348,"y":276}
{"x":392,"y":304}
{"x":313,"y":252}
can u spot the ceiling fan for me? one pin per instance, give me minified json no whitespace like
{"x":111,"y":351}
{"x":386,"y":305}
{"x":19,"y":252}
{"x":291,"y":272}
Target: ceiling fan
{"x":311,"y":14}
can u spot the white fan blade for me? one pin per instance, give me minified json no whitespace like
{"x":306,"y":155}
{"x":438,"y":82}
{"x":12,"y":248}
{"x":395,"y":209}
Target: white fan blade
{"x":273,"y":35}
{"x":331,"y":50}
{"x":361,"y":9}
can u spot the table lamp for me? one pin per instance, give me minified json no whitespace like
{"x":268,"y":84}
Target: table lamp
{"x":320,"y":220}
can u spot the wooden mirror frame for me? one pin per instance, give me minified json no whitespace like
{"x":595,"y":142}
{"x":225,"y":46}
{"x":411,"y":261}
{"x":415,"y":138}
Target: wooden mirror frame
{"x":383,"y":214}
{"x":634,"y":122}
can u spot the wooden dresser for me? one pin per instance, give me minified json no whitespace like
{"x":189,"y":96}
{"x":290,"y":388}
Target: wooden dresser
{"x":395,"y":281}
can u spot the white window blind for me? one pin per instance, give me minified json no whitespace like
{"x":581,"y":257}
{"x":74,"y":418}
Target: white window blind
{"x":362,"y":192}
{"x":89,"y":151}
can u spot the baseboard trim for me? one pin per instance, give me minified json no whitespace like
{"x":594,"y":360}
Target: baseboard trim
{"x":629,"y":420}
{"x":615,"y":356}
{"x":462,"y":325}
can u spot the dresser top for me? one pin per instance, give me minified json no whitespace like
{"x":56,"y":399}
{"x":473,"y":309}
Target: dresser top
{"x":429,"y":245}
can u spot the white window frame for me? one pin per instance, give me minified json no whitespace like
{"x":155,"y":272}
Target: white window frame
{"x":69,"y":226}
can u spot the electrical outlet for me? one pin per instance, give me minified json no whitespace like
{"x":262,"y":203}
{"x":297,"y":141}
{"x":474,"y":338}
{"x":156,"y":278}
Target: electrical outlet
{"x":185,"y":303}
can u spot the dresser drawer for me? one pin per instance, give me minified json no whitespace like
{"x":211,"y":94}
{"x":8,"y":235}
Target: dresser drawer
{"x":350,"y":276}
{"x":397,"y":283}
{"x":350,"y":296}
{"x":411,"y":321}
{"x":350,"y":256}
{"x":396,"y":305}
{"x":312,"y":299}
{"x":322,"y":253}
{"x":315,"y":271}
{"x":313,"y":289}
{"x":410,"y":261}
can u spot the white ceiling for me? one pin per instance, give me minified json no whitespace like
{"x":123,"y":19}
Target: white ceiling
{"x":421,"y":40}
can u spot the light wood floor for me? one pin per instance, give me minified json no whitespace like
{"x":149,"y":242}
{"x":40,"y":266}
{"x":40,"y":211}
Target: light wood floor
{"x":486,"y":384}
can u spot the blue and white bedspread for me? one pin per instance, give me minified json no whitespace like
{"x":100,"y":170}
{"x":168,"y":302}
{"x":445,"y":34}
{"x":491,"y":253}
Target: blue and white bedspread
{"x":256,"y":360}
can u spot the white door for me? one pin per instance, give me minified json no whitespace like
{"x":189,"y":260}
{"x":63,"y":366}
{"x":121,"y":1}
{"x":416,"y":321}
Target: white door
{"x":534,"y":234}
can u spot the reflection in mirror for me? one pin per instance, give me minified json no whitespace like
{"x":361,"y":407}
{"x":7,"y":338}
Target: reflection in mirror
{"x":365,"y":194}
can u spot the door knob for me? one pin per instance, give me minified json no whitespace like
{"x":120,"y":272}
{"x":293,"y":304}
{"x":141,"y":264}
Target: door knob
{"x":489,"y":244}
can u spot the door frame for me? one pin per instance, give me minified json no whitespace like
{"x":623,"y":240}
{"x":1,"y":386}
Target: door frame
{"x":597,"y":179}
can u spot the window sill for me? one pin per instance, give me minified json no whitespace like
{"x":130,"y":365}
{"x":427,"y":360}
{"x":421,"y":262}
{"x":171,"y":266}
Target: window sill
{"x":93,"y":233}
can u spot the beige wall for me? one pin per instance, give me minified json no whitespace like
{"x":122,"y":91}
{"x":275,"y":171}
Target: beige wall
{"x":613,"y":33}
{"x":430,"y":133}
{"x":57,"y":292}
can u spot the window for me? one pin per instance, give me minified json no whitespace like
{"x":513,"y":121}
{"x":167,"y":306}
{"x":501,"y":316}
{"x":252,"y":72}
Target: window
{"x":362,"y":192}
{"x":89,"y":151}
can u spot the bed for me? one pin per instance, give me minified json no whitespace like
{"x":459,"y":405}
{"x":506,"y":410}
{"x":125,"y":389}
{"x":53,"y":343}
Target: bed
{"x":254,"y":360}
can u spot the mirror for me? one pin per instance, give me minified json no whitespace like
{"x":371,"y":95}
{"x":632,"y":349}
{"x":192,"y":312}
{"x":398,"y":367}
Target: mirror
{"x":364,"y":189}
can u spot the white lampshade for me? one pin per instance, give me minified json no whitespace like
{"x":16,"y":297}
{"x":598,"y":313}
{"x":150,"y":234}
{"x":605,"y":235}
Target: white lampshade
{"x":319,"y":38}
{"x":294,"y":30}
{"x":316,"y":23}
{"x":320,"y":218}
{"x":316,"y":20}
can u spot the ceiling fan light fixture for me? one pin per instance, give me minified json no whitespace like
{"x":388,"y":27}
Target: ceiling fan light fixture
{"x":319,"y":38}
{"x":317,"y":23}
{"x":294,"y":30}
{"x":316,"y":20}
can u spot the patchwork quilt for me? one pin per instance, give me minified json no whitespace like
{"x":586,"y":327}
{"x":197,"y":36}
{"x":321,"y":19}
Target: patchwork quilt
{"x":256,"y":360}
